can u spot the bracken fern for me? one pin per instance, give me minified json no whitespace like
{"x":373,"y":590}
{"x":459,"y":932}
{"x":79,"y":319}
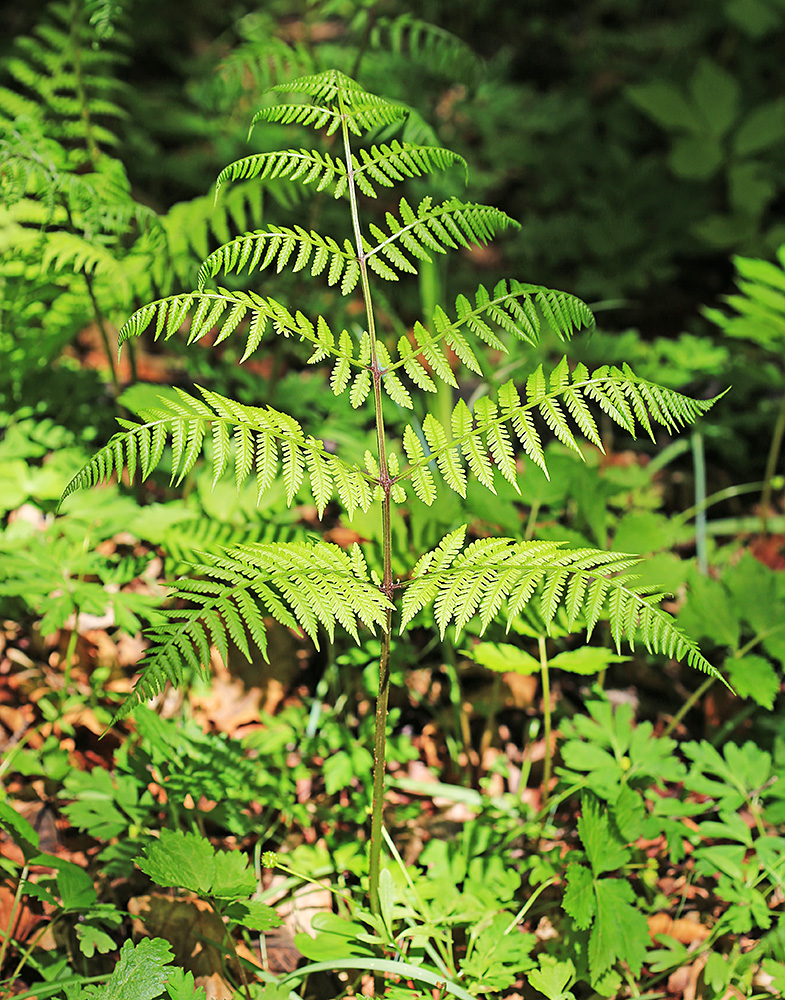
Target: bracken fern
{"x":318,"y":586}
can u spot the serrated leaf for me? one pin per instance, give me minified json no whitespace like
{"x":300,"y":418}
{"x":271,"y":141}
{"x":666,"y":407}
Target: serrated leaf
{"x":620,"y":931}
{"x":604,"y":848}
{"x":579,"y":901}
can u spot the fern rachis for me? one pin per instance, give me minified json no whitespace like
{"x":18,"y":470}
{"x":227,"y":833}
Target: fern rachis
{"x":319,"y":586}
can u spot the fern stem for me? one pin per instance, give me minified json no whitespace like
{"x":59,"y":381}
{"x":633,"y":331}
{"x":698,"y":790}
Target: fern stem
{"x":385,"y":482}
{"x":546,"y":711}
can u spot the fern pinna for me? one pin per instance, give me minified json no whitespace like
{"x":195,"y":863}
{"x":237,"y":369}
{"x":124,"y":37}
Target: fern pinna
{"x":317,"y":585}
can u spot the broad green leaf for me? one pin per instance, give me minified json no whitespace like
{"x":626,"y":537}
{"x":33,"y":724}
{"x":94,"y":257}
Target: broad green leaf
{"x":232,"y":877}
{"x":696,"y":157}
{"x":253,"y":914}
{"x":22,"y":833}
{"x":709,"y":613}
{"x":762,"y":128}
{"x":620,"y":930}
{"x":629,"y":812}
{"x":753,"y":677}
{"x":579,"y":899}
{"x":716,"y":94}
{"x":665,"y":104}
{"x":502,"y":657}
{"x":335,"y":938}
{"x":601,"y":841}
{"x":184,"y":860}
{"x":552,"y":978}
{"x":586,"y":660}
{"x":140,"y":974}
{"x":181,"y":986}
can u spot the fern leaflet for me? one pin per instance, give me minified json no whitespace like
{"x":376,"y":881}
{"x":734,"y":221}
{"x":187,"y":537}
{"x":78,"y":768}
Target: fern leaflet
{"x":303,"y":585}
{"x":462,"y":583}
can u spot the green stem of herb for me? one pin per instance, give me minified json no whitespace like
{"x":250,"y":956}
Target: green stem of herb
{"x":771,"y":465}
{"x":699,"y":464}
{"x":693,"y":699}
{"x":383,"y":696}
{"x":11,"y":919}
{"x":546,"y":711}
{"x":528,"y":905}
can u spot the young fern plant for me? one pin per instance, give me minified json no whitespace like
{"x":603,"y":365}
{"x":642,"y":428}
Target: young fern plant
{"x":317,"y":585}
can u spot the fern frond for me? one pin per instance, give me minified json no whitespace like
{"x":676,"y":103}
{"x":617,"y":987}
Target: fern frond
{"x":435,"y":48}
{"x":338,"y":98}
{"x":66,"y":79}
{"x":512,"y":308}
{"x":435,"y":229}
{"x":478,"y":580}
{"x":303,"y":585}
{"x":276,"y":245}
{"x":558,"y":401}
{"x":307,"y":166}
{"x":257,"y":434}
{"x":224,"y":311}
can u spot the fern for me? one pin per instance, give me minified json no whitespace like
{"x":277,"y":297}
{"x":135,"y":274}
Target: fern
{"x":318,"y":587}
{"x":496,"y":578}
{"x":302,"y":585}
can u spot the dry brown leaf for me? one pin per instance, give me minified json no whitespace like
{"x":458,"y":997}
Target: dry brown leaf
{"x":684,"y":929}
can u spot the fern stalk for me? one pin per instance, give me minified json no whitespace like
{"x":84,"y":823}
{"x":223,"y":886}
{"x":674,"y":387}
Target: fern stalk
{"x":385,"y":482}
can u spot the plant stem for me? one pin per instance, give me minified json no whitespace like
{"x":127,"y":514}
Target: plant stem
{"x":546,"y":711}
{"x":699,"y":463}
{"x":695,"y":697}
{"x":771,"y":465}
{"x":12,"y":919}
{"x":385,"y":484}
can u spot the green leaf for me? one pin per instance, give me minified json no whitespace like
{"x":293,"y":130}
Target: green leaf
{"x":664,"y":103}
{"x":601,"y":841}
{"x":716,"y":94}
{"x":253,"y":914}
{"x":552,"y":978}
{"x":696,"y":157}
{"x":181,"y":986}
{"x":579,"y":899}
{"x":753,"y":677}
{"x":74,"y":885}
{"x":140,"y":974}
{"x":22,"y":833}
{"x":184,"y":860}
{"x":620,"y":931}
{"x":232,"y":878}
{"x":709,"y":613}
{"x":92,"y":939}
{"x":188,"y":861}
{"x":335,"y":938}
{"x":586,"y":660}
{"x":502,"y":657}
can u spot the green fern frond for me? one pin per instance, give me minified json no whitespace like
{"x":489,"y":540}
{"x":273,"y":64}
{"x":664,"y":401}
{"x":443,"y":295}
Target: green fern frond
{"x":279,"y":245}
{"x":65,"y":80}
{"x":560,"y":400}
{"x":304,"y":165}
{"x":435,"y":229}
{"x":224,"y":311}
{"x":386,"y":165}
{"x":435,"y":48}
{"x":304,"y":585}
{"x":260,"y":441}
{"x":339,"y":99}
{"x":477,"y":581}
